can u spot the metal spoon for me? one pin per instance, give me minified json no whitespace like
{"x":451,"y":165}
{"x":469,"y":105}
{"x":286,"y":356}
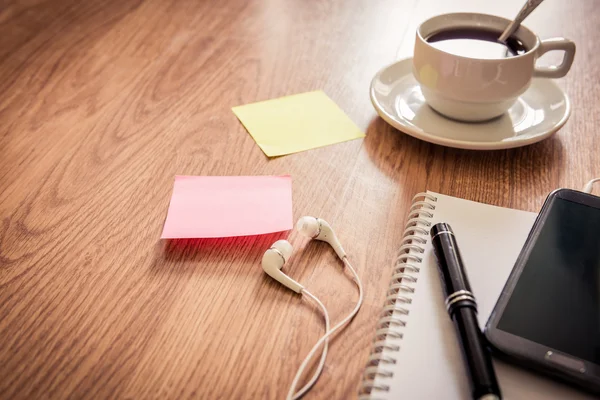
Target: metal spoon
{"x":528,"y":7}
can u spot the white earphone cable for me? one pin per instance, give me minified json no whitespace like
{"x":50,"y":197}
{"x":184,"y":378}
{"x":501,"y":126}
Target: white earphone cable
{"x":317,"y":373}
{"x":325,"y":338}
{"x":588,"y":186}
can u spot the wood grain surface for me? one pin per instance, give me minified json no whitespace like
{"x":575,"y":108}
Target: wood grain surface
{"x":103,"y":102}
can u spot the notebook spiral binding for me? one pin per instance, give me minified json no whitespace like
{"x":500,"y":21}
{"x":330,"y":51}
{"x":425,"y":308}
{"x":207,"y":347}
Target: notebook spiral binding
{"x":399,"y":294}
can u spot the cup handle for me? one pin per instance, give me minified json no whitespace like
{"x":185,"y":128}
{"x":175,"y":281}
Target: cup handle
{"x":555,"y":71}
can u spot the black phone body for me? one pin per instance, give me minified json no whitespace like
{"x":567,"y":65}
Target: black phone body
{"x":548,"y":315}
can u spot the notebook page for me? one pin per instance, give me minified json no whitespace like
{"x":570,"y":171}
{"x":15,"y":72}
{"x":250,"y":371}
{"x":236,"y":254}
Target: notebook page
{"x":429,"y":364}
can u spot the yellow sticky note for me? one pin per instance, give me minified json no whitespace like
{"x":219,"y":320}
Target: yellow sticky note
{"x":296,"y":123}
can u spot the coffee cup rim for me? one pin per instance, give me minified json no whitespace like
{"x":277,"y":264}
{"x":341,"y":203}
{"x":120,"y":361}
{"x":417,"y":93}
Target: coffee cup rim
{"x":521,"y":28}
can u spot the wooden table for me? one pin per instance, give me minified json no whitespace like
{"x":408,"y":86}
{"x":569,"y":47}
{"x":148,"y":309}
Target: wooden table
{"x":103,"y":102}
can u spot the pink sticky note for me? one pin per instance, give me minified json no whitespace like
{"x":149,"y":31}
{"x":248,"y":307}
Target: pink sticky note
{"x":223,"y":206}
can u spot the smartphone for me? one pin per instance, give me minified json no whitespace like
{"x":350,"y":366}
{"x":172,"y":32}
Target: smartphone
{"x":548,"y":315}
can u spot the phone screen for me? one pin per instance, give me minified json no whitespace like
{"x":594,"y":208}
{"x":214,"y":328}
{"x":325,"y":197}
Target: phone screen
{"x":556,"y":301}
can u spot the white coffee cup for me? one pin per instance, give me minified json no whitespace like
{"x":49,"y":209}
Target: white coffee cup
{"x":474,"y":89}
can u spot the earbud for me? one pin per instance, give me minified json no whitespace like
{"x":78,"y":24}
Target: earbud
{"x":274,"y":259}
{"x":319,"y":229}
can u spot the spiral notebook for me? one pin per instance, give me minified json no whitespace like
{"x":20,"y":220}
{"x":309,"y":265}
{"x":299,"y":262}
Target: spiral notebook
{"x":415,"y":354}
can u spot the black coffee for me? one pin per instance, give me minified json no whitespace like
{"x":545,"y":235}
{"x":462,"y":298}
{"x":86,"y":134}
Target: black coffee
{"x":476,"y":43}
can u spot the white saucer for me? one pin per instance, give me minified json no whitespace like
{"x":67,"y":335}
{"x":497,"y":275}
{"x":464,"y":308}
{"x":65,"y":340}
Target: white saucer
{"x":538,"y":113}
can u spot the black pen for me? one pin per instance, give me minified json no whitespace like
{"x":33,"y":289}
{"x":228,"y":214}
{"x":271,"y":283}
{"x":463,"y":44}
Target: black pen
{"x":462,"y":308}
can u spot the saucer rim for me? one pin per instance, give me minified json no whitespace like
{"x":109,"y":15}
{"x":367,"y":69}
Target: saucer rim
{"x":421,"y":134}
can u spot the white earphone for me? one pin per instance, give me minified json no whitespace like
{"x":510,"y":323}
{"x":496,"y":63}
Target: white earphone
{"x":279,"y":253}
{"x":273,"y":261}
